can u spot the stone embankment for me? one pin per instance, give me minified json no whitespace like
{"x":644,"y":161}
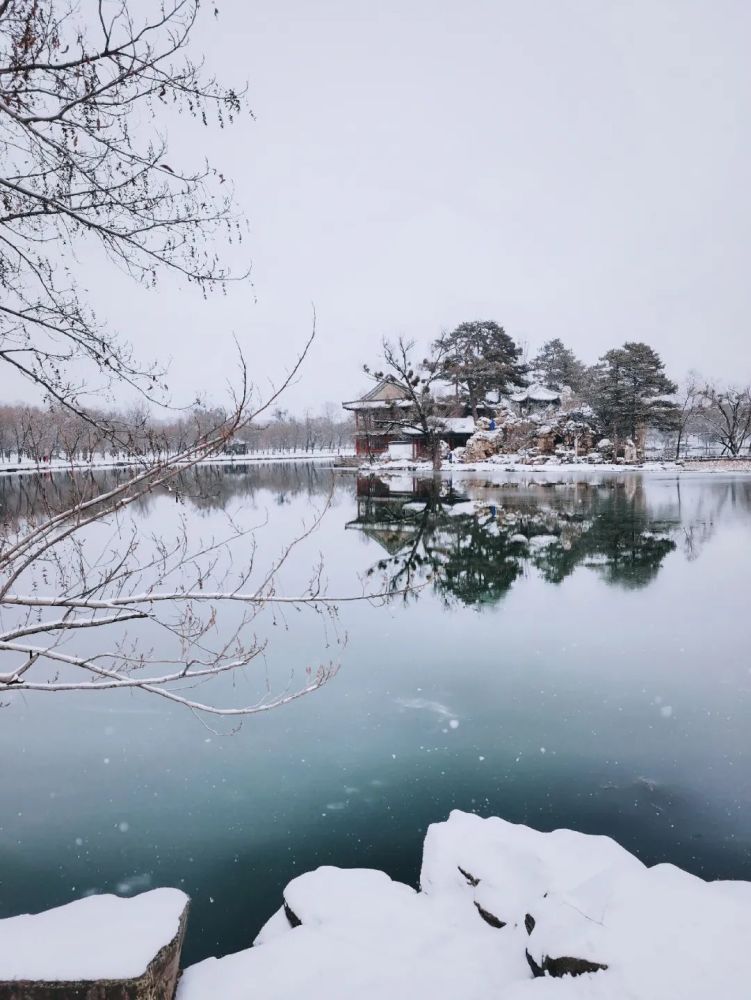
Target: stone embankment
{"x":96,"y":948}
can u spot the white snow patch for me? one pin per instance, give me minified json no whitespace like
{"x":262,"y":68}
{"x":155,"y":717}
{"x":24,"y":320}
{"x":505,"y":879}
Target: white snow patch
{"x":362,"y":936}
{"x":98,"y":937}
{"x":542,"y":541}
{"x":461,"y":509}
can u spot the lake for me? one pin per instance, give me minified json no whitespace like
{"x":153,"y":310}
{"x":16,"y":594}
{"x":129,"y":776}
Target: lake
{"x":573,"y":653}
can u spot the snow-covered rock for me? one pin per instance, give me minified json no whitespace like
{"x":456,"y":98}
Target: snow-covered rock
{"x":131,"y":945}
{"x":502,"y":910}
{"x":661,"y":932}
{"x":482,"y":445}
{"x":510,"y":867}
{"x":361,"y":935}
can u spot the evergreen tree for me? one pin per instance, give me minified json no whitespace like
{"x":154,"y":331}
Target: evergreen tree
{"x":477,"y":358}
{"x":628,"y":390}
{"x":557,"y":366}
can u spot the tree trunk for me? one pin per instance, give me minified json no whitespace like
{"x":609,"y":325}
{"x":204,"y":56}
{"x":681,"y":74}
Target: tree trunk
{"x":436,"y":450}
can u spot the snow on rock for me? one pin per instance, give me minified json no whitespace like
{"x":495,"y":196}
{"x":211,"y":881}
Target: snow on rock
{"x":503,"y":911}
{"x":324,"y":895}
{"x":98,"y":937}
{"x":466,"y":507}
{"x":362,"y":935}
{"x":482,"y":445}
{"x":661,"y":932}
{"x":511,"y":866}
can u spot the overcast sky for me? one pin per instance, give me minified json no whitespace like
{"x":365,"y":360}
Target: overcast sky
{"x":571,"y":168}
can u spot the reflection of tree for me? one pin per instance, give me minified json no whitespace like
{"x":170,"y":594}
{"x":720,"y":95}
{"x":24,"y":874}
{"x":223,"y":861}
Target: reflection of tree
{"x":621,"y":539}
{"x":206,"y":487}
{"x":473,"y":555}
{"x":406,"y":523}
{"x":480,"y":562}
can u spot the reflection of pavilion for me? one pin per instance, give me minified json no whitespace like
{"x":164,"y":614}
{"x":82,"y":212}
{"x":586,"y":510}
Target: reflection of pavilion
{"x":393,"y":511}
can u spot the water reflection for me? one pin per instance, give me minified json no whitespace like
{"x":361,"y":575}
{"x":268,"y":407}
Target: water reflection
{"x":207,"y":488}
{"x":473,"y":550}
{"x":605,"y":688}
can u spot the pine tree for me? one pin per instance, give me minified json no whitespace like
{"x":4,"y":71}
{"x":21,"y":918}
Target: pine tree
{"x":477,"y":358}
{"x":557,"y":366}
{"x":629,"y":387}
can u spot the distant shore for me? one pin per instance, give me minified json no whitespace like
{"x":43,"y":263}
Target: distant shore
{"x":59,"y":465}
{"x":509,"y":464}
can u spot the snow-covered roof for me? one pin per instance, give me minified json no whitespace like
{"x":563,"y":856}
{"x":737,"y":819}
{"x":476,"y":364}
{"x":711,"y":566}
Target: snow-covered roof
{"x":450,"y":425}
{"x":377,"y":404}
{"x":536,"y":393}
{"x":385,"y":393}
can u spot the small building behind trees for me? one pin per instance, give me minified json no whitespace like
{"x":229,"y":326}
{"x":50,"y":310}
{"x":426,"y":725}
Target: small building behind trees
{"x":386,"y":424}
{"x":535,"y":398}
{"x":380,"y":420}
{"x":236,"y":447}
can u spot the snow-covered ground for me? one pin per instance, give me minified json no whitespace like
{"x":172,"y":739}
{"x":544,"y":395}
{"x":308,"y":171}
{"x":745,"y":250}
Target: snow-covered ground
{"x":60,"y":465}
{"x":498,"y":902}
{"x":98,"y":937}
{"x":509,"y":463}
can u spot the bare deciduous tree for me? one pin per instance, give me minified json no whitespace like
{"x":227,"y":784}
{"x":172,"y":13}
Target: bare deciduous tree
{"x":60,"y":577}
{"x":86,"y":168}
{"x":727,"y":415}
{"x":416,"y":382}
{"x":84,"y":95}
{"x":687,"y":409}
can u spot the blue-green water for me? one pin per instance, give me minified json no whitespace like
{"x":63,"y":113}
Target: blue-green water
{"x":596,"y":675}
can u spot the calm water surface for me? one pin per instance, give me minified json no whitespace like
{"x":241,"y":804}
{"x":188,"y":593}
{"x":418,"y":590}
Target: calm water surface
{"x":577,"y":654}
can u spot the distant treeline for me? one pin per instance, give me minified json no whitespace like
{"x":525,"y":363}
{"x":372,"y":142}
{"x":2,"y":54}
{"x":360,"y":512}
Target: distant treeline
{"x":40,"y":434}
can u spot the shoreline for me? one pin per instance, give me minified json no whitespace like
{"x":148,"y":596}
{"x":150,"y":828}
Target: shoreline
{"x":712,"y":466}
{"x":741,"y":467}
{"x":39,"y":468}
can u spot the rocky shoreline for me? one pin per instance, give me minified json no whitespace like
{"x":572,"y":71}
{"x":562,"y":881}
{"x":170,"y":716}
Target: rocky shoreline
{"x":502,"y":911}
{"x":515,"y":463}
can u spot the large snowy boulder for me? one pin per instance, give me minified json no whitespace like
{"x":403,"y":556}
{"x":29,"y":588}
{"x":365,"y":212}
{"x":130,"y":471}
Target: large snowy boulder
{"x":661,"y":931}
{"x":96,"y":948}
{"x":482,"y":445}
{"x":503,"y":912}
{"x":327,"y":895}
{"x":508,"y":867}
{"x":362,"y":935}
